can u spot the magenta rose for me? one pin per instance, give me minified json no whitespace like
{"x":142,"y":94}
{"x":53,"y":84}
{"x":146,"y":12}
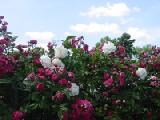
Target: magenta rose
{"x":33,"y":41}
{"x":54,"y":77}
{"x":18,"y":115}
{"x":108,"y":83}
{"x":63,"y":82}
{"x":106,"y":75}
{"x":40,"y":86}
{"x":70,"y":74}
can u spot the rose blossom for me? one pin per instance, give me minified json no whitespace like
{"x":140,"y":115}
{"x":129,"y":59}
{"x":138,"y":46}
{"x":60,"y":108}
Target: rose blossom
{"x":45,"y":61}
{"x":1,"y":17}
{"x":108,"y":83}
{"x":142,"y":73}
{"x":50,"y":45}
{"x":31,"y":76}
{"x":54,"y":77}
{"x":154,"y":78}
{"x":106,"y":75}
{"x":33,"y":41}
{"x":70,"y":74}
{"x":74,"y":90}
{"x":105,"y":94}
{"x":63,"y":82}
{"x":42,"y":77}
{"x":121,"y":49}
{"x":58,"y":96}
{"x":40,"y":71}
{"x":108,"y":47}
{"x":18,"y":115}
{"x":48,"y":72}
{"x":40,"y":86}
{"x":60,"y":52}
{"x":122,"y":78}
{"x":85,"y":47}
{"x":36,"y":61}
{"x":58,"y":63}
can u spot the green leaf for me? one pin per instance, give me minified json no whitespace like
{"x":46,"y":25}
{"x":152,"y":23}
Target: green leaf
{"x":5,"y":81}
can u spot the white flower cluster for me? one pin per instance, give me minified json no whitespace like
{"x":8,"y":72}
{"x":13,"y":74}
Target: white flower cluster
{"x":45,"y":61}
{"x":108,"y":47}
{"x":60,"y":52}
{"x":58,"y":62}
{"x":142,"y":73}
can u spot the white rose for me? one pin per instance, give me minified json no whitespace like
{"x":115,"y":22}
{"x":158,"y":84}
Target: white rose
{"x":142,"y":73}
{"x":45,"y":61}
{"x":108,"y":47}
{"x":74,"y":90}
{"x":60,"y":52}
{"x":58,"y":62}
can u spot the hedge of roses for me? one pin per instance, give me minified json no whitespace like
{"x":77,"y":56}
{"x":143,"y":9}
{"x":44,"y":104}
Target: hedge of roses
{"x":71,"y":82}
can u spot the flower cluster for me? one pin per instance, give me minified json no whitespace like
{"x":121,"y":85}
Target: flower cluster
{"x":82,"y":109}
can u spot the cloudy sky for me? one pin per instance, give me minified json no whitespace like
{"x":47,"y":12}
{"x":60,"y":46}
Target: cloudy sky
{"x":48,"y":20}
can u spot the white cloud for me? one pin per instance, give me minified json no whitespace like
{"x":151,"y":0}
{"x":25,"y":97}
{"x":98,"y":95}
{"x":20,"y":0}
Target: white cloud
{"x":96,"y":28}
{"x":43,"y":45}
{"x":40,"y":35}
{"x":116,"y":10}
{"x":67,"y":33}
{"x":142,"y":36}
{"x":125,"y":21}
{"x":113,"y":10}
{"x":136,"y":9}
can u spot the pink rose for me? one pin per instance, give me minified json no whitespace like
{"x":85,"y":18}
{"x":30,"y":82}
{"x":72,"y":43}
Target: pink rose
{"x":70,"y":74}
{"x":54,"y":77}
{"x":63,"y":82}
{"x":85,"y":47}
{"x":40,"y":86}
{"x":36,"y":61}
{"x":48,"y":72}
{"x":18,"y":115}
{"x":3,"y":41}
{"x":33,"y":41}
{"x":42,"y":77}
{"x":108,"y":83}
{"x":133,"y":65}
{"x":142,"y":64}
{"x":154,"y":78}
{"x":153,"y":57}
{"x":1,"y":17}
{"x":122,"y":78}
{"x":58,"y":96}
{"x":40,"y":71}
{"x":105,"y":94}
{"x":106,"y":76}
{"x":121,"y":49}
{"x":1,"y":50}
{"x":50,"y":45}
{"x":31,"y":76}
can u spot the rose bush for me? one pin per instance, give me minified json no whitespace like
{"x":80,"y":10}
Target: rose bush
{"x":72,"y":82}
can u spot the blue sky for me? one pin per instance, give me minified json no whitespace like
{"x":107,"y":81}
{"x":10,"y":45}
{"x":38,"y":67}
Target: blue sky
{"x":47,"y":20}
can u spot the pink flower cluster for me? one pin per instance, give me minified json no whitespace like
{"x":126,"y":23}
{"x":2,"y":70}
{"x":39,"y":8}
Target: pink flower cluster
{"x":44,"y":74}
{"x":18,"y":115}
{"x":81,"y":110}
{"x":6,"y":64}
{"x":154,"y":81}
